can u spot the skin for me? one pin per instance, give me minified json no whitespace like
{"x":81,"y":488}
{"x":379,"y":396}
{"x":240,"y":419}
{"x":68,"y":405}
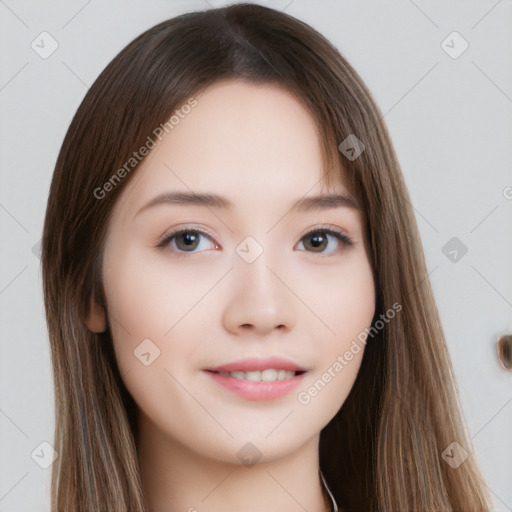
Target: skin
{"x":257,"y":146}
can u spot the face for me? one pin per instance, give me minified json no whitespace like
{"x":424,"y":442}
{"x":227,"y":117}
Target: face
{"x":194,"y":286}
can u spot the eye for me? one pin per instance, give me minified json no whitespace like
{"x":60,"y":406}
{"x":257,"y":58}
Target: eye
{"x":185,"y":241}
{"x":318,"y":239}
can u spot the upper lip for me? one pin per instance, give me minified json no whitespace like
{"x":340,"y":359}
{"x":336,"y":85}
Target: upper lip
{"x":254,"y":364}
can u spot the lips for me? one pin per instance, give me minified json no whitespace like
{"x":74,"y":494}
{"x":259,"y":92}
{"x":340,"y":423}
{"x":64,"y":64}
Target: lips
{"x":258,"y":364}
{"x":258,"y":379}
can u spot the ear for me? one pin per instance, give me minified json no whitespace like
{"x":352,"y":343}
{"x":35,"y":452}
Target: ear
{"x":96,"y":319}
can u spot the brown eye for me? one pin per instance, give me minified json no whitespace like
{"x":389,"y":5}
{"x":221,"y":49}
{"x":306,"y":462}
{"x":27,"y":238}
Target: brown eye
{"x":318,"y":240}
{"x":185,"y":241}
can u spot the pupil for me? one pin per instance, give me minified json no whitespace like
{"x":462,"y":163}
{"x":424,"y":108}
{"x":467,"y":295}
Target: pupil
{"x":189,"y":239}
{"x":317,"y":240}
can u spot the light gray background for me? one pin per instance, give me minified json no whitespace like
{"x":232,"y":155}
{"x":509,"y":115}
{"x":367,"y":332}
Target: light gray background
{"x":451,"y":123}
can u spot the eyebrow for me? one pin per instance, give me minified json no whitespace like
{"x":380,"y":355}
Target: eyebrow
{"x":304,"y":204}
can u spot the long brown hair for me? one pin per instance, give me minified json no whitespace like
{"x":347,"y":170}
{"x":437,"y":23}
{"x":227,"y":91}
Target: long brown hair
{"x":383,"y":451}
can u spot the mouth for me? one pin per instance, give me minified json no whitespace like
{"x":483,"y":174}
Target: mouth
{"x":267,"y":375}
{"x":258,"y":379}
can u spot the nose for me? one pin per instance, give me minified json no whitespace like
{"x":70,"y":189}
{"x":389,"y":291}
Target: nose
{"x":259,"y":300}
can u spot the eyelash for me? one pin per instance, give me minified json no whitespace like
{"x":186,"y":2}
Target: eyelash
{"x":166,"y":239}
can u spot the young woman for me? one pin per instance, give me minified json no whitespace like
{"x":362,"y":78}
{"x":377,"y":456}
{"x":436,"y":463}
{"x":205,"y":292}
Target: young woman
{"x":238,"y":306}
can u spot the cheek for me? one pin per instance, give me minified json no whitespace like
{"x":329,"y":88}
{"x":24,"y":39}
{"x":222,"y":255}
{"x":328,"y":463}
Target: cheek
{"x":341,"y":300}
{"x":351,"y":303}
{"x":153,"y":321}
{"x":345,"y":302}
{"x":148,"y":298}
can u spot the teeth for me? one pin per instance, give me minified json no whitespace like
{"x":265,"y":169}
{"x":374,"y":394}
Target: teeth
{"x":253,"y":376}
{"x":269,"y":375}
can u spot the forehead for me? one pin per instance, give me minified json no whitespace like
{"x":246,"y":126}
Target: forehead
{"x":240,"y":140}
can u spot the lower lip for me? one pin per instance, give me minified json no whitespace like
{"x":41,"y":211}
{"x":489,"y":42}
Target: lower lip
{"x":257,"y":391}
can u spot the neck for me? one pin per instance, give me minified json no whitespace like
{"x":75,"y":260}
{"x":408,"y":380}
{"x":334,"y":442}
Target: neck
{"x":174,"y":477}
